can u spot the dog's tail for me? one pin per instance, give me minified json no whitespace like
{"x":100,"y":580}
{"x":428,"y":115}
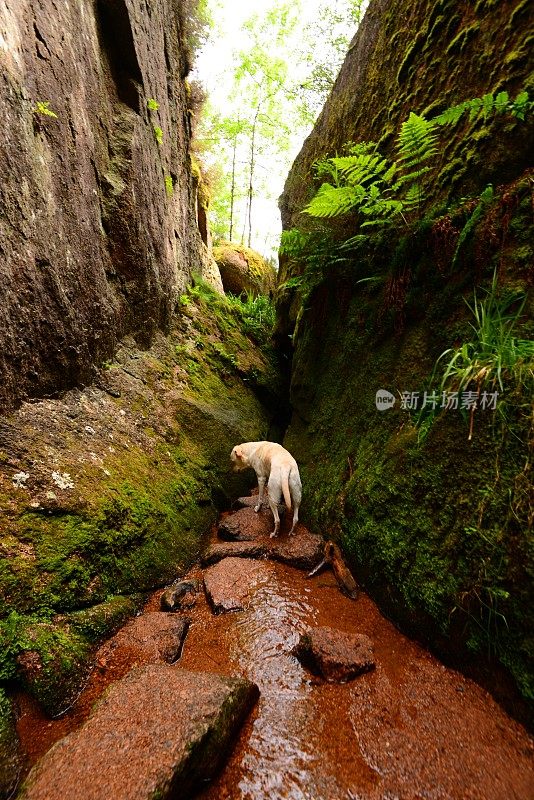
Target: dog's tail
{"x":285,"y":488}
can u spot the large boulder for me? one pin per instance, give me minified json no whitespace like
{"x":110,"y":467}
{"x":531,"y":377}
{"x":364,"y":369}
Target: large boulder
{"x":243,"y":271}
{"x":157,"y":733}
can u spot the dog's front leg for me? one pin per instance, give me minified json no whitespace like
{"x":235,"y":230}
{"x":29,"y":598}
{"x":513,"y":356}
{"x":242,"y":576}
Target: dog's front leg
{"x":261,"y":487}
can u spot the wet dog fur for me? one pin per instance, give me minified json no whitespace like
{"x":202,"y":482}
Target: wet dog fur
{"x":273,"y":465}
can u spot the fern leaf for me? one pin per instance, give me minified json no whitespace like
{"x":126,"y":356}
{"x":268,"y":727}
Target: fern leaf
{"x":331,"y":201}
{"x":501,"y":102}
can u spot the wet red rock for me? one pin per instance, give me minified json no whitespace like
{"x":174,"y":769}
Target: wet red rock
{"x":216,"y":552}
{"x":154,"y":636}
{"x":410,"y":729}
{"x":303,"y":550}
{"x":246,"y":525}
{"x":336,"y":655}
{"x":230,"y":583}
{"x":157,"y":733}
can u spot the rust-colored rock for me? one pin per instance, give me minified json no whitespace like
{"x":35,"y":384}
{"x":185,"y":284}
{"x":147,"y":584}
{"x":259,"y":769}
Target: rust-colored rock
{"x":336,"y":655}
{"x":151,"y":637}
{"x":157,"y":733}
{"x":230,"y":583}
{"x":216,"y":552}
{"x":303,"y":550}
{"x":245,"y":502}
{"x":246,"y":525}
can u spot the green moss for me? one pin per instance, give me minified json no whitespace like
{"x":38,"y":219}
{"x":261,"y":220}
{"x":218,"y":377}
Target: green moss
{"x":412,"y":52}
{"x":10,"y":757}
{"x":258,"y":273}
{"x":51,"y":658}
{"x":522,"y":9}
{"x":136,"y":524}
{"x":435,"y":527}
{"x":462,"y":38}
{"x":103,"y":620}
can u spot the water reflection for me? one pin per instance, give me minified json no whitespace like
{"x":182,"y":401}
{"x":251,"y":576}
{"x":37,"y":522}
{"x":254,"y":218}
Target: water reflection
{"x":280,"y":757}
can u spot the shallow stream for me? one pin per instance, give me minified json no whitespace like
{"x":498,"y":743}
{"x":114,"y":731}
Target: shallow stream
{"x":411,"y":728}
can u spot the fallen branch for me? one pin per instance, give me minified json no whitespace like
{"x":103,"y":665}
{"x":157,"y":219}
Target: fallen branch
{"x":334,"y":559}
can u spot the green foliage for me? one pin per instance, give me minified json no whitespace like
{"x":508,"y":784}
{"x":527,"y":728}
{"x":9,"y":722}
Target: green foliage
{"x":496,"y":355}
{"x":485,"y":106}
{"x":381,"y":192}
{"x":197,"y":23}
{"x":158,"y":134}
{"x":169,"y":185}
{"x":152,"y":104}
{"x":333,"y":25}
{"x":42,"y":107}
{"x":257,"y":315}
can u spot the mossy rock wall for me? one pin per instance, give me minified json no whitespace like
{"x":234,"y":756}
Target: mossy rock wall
{"x":438,"y":528}
{"x":106,"y":493}
{"x":425,"y":57}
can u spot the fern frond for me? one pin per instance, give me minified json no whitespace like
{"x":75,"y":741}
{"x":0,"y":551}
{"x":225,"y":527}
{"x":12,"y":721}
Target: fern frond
{"x":331,"y":201}
{"x":417,"y":140}
{"x":410,"y":177}
{"x":359,"y":169}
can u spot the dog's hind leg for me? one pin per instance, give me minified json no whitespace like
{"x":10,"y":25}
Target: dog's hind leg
{"x":274,"y":508}
{"x":261,"y":487}
{"x":295,"y":518}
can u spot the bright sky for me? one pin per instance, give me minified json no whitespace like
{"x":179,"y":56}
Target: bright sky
{"x":214,"y":69}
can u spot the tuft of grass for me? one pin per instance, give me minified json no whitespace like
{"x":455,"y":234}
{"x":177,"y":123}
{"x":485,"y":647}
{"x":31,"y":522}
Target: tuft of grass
{"x":496,"y":357}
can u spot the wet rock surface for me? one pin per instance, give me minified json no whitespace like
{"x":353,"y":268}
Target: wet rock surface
{"x":393,"y":732}
{"x":303,"y":550}
{"x":216,"y":552}
{"x":230,"y":583}
{"x":336,"y":655}
{"x":157,"y":733}
{"x":151,"y":637}
{"x":244,"y":502}
{"x":246,"y":525}
{"x":179,"y":595}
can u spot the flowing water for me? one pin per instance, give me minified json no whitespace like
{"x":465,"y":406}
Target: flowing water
{"x":411,"y":728}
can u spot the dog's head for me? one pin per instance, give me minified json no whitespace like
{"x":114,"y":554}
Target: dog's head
{"x":238,"y":458}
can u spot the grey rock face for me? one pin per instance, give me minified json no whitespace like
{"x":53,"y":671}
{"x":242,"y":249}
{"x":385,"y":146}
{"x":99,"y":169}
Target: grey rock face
{"x":94,"y":245}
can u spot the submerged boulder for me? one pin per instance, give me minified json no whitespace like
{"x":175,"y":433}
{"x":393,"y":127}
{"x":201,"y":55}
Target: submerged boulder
{"x":231,"y":582}
{"x":243,"y":271}
{"x":151,"y":637}
{"x":179,"y":595}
